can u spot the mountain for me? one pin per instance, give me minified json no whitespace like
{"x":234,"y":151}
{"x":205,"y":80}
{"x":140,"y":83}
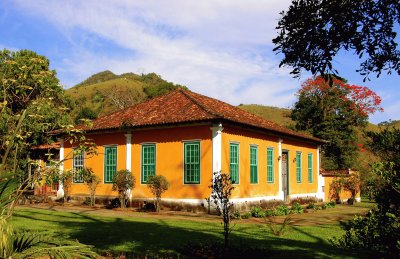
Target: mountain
{"x":106,"y":92}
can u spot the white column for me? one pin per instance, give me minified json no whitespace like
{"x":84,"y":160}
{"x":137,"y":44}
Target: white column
{"x":128,"y":160}
{"x":280,"y":191}
{"x":60,"y":192}
{"x":217,"y":147}
{"x":320,"y":178}
{"x":128,"y":137}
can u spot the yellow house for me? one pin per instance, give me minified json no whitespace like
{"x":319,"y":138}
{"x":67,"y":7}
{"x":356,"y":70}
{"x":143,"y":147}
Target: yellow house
{"x":186,"y":137}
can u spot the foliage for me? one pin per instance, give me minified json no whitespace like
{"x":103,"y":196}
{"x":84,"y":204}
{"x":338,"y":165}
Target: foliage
{"x":85,"y":113}
{"x":31,"y":103}
{"x":376,"y":231}
{"x":157,"y":185}
{"x":221,"y":191}
{"x":281,"y":210}
{"x":257,"y":212}
{"x":312,"y":32}
{"x":236,"y":215}
{"x":379,"y":230}
{"x":246,"y":215}
{"x":331,"y":204}
{"x":65,"y":178}
{"x":155,"y":85}
{"x":296,"y":208}
{"x":352,"y":184}
{"x":278,"y":229}
{"x":122,"y":182}
{"x":332,"y":112}
{"x":29,"y":244}
{"x":335,"y":188}
{"x":92,"y":181}
{"x":312,"y":206}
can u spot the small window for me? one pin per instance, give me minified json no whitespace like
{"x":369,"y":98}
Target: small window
{"x":298,"y":167}
{"x":270,"y":165}
{"x":310,"y":167}
{"x":148,"y":161}
{"x":253,"y":164}
{"x":192,"y":162}
{"x":234,"y":162}
{"x":110,"y":163}
{"x":77,"y":166}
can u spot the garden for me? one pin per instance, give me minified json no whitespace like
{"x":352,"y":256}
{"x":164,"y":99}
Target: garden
{"x":116,"y":232}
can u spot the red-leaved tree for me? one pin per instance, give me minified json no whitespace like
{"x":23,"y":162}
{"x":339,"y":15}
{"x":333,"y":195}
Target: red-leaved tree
{"x":332,"y":111}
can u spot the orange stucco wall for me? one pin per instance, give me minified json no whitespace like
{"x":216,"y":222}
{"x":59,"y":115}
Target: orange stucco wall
{"x":344,"y":195}
{"x":169,"y":160}
{"x":304,"y":186}
{"x":246,"y":138}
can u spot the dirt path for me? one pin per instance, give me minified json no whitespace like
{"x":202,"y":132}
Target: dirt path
{"x":310,"y":218}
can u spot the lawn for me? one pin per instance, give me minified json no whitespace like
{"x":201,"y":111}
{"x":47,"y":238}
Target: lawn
{"x":166,"y":235}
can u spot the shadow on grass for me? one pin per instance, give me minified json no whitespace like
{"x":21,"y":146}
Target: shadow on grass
{"x":158,"y":237}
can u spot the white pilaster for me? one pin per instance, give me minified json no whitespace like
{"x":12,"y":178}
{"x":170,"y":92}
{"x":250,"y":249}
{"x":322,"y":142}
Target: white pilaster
{"x":217,"y":147}
{"x":281,"y":195}
{"x":60,"y":192}
{"x":320,"y":178}
{"x":128,"y":137}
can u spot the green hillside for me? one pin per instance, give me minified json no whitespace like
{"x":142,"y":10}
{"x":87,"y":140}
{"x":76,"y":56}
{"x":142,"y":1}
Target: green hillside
{"x":275,"y":114}
{"x":106,"y":92}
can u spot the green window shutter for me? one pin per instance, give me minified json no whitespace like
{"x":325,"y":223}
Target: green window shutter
{"x":148,"y":161}
{"x":110,"y":163}
{"x":77,"y":166}
{"x":298,"y":167}
{"x":270,"y":165}
{"x":253,"y":164}
{"x":310,"y":167}
{"x":192,"y":162}
{"x":234,"y":162}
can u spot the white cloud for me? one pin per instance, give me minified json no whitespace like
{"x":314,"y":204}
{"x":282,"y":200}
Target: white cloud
{"x":214,"y":47}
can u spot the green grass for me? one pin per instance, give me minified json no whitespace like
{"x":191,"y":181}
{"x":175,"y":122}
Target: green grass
{"x":146,"y":235}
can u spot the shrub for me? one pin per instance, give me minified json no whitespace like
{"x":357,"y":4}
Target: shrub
{"x":122,"y":182}
{"x":331,"y":204}
{"x":246,"y":215}
{"x":221,"y":191}
{"x":257,"y":212}
{"x":92,"y":181}
{"x":236,"y":215}
{"x":157,"y":185}
{"x":269,"y":212}
{"x":281,"y":210}
{"x":296,"y":208}
{"x":312,"y":206}
{"x":324,"y":206}
{"x":66,"y":180}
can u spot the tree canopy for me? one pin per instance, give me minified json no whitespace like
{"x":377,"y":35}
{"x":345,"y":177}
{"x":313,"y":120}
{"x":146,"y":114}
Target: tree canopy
{"x":32,"y":103}
{"x":332,"y":112}
{"x":312,"y":32}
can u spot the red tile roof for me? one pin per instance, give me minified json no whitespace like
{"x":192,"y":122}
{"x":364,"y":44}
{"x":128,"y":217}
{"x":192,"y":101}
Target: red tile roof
{"x":55,"y":145}
{"x":184,"y":106}
{"x":337,"y":172}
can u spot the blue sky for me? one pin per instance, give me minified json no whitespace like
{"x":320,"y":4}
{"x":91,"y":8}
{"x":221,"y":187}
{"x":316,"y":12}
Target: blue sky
{"x":218,"y":48}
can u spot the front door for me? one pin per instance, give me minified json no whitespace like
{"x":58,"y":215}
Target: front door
{"x":285,"y":173}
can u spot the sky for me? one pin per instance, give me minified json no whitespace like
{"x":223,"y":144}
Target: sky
{"x":221,"y":48}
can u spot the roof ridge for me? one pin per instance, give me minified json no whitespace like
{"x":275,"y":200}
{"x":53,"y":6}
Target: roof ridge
{"x":192,"y":99}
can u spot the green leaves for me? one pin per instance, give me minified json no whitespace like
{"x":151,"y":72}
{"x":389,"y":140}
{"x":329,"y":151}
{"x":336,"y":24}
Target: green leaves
{"x":312,"y":32}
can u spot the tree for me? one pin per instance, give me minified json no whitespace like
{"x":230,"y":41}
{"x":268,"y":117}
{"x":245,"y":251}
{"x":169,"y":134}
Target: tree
{"x":85,"y":113}
{"x":352,"y":185}
{"x":122,"y":182}
{"x":32,"y":104}
{"x":379,"y":230}
{"x":157,"y":185}
{"x":331,"y":112}
{"x":92,"y":181}
{"x":221,"y":191}
{"x":312,"y":32}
